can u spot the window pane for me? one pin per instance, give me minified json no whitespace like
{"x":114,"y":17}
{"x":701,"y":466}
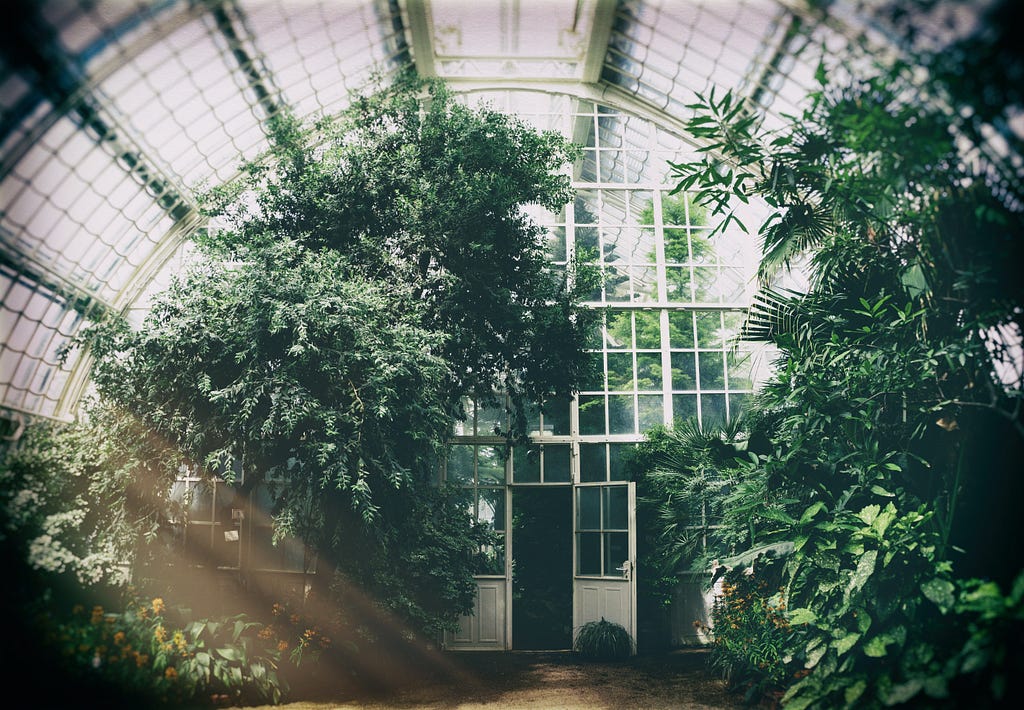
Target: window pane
{"x":591,"y":414}
{"x":648,"y":371}
{"x":677,"y":281}
{"x":492,"y":558}
{"x":712,"y":410}
{"x":619,"y":333}
{"x":680,"y":329}
{"x":460,"y":465}
{"x":589,"y":508}
{"x":491,"y":507}
{"x":737,"y":404}
{"x":588,"y":550}
{"x":616,"y":507}
{"x":556,"y":464}
{"x":526,"y":464}
{"x":617,"y":469}
{"x":592,"y":462}
{"x":712,"y":371}
{"x":556,"y":417}
{"x":490,"y":465}
{"x":490,"y":420}
{"x":620,"y":372}
{"x":739,"y":369}
{"x":616,"y":552}
{"x":620,"y":414}
{"x":684,"y":406}
{"x":684,"y":371}
{"x":709,"y":329}
{"x":650,"y":411}
{"x":648,"y":329}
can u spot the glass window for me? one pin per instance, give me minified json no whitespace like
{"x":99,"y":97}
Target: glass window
{"x":593,"y":462}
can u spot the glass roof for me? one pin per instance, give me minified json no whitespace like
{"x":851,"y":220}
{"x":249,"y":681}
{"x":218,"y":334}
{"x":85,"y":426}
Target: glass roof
{"x":113,"y":112}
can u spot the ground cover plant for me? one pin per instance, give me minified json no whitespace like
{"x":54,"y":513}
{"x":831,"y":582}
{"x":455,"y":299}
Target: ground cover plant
{"x":603,"y":641}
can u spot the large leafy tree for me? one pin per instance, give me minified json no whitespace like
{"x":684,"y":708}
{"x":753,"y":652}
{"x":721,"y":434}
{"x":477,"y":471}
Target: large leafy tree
{"x":356,"y":283}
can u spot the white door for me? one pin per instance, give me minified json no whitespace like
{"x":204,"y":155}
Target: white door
{"x":604,"y":550}
{"x":485,"y":628}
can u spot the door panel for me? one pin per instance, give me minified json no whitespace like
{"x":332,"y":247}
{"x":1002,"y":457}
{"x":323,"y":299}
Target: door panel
{"x":485,"y":628}
{"x":604,"y":583}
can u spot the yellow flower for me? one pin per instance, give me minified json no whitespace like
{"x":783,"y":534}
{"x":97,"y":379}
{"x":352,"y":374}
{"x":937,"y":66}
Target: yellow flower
{"x":158,"y":606}
{"x":170,"y":673}
{"x":141,"y":659}
{"x":160,"y":633}
{"x":179,"y":640}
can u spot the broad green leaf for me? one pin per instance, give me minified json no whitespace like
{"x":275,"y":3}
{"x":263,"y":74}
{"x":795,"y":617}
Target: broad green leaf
{"x":853,"y":692}
{"x":903,"y":692}
{"x":845,"y":643}
{"x":802,"y":616}
{"x":939,"y":591}
{"x":875,"y":647}
{"x":869,"y":513}
{"x":229,"y":653}
{"x":865,"y":568}
{"x":815,"y":650}
{"x":811,"y":511}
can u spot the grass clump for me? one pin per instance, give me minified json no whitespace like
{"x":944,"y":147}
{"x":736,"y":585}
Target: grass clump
{"x":603,"y":641}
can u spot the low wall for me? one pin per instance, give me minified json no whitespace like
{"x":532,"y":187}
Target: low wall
{"x":690,"y":615}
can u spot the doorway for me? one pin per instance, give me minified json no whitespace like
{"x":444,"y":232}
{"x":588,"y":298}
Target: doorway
{"x":542,"y":568}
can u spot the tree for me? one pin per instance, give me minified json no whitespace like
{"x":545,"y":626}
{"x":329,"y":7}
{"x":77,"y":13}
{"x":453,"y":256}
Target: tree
{"x":356,"y":282}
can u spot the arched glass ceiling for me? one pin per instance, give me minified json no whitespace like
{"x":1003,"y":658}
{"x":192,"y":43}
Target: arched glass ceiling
{"x":112,"y":112}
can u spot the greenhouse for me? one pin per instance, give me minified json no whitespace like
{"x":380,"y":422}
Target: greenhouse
{"x":343,"y":337}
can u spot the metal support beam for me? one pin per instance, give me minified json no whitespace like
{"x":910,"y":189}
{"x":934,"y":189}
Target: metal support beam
{"x":420,"y":36}
{"x":600,"y":35}
{"x":231,"y":24}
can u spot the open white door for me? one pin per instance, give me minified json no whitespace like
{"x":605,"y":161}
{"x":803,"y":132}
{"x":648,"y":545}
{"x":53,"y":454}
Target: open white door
{"x":604,"y":549}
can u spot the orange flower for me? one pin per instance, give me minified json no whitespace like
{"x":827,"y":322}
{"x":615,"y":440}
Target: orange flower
{"x":119,"y":638}
{"x":158,"y":606}
{"x":282,"y":645}
{"x":265,"y":633}
{"x":170,"y":673}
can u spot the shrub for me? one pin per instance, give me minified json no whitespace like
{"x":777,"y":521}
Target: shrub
{"x":750,"y":633}
{"x":160,"y":655}
{"x":603,"y":641}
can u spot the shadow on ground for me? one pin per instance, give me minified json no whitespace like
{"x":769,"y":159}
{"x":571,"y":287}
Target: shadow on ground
{"x":677,"y":679}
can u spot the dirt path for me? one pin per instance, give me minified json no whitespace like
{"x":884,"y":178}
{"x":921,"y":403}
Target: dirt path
{"x":468,"y":681}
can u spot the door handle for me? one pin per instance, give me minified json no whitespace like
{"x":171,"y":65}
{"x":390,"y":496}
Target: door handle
{"x":626,"y":569}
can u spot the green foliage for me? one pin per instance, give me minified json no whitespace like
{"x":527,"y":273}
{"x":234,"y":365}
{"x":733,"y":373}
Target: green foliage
{"x":751,"y":631}
{"x":77,"y":501}
{"x":684,"y":474}
{"x":894,"y":370}
{"x":165,"y":658}
{"x":603,"y":641}
{"x":355,"y":283}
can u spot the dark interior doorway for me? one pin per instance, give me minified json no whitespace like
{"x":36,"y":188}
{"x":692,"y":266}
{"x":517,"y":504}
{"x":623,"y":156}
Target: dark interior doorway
{"x":542,"y":568}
